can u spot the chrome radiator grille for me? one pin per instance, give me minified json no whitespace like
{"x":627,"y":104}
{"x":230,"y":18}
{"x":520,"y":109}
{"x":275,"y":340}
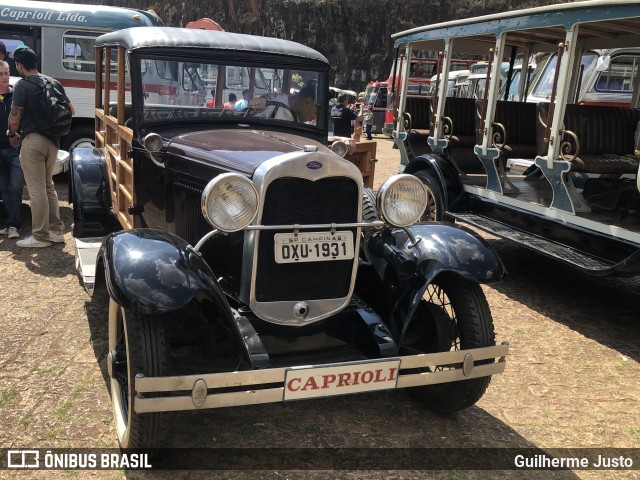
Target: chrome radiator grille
{"x":299,"y":201}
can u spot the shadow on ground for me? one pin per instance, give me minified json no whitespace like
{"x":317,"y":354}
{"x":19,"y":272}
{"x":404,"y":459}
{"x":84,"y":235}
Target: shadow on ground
{"x":604,"y":309}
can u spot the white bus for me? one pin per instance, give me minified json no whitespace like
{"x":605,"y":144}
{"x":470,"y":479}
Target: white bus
{"x":62,"y":35}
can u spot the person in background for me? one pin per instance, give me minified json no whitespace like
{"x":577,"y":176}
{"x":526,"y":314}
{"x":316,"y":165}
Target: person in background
{"x":38,"y":152}
{"x":301,"y":106}
{"x":11,"y":177}
{"x":5,"y":57}
{"x":357,"y":122}
{"x":341,"y":116}
{"x":244,"y":103}
{"x":367,"y":120}
{"x":212,"y":103}
{"x":232,"y":101}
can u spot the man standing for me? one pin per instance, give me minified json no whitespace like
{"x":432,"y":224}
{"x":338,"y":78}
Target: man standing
{"x":342,"y":116}
{"x":11,"y":178}
{"x":37,"y":154}
{"x":244,"y":103}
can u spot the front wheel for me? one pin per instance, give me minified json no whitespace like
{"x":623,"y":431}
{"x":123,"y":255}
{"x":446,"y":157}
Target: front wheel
{"x":435,"y":197}
{"x":453,"y":315}
{"x":136,"y":345}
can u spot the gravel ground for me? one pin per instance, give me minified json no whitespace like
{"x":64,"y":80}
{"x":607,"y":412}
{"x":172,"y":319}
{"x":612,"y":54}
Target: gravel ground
{"x":571,"y":378}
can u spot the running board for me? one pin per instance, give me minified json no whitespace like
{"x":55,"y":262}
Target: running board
{"x":86,"y":255}
{"x":583,"y":261}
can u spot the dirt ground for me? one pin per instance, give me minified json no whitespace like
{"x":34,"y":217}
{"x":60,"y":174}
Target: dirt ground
{"x":571,"y":379}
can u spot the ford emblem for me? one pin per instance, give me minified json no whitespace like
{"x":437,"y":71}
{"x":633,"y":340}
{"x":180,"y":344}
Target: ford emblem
{"x":314,"y":165}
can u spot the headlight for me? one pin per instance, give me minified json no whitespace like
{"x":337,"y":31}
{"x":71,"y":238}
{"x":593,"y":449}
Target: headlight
{"x":339,"y":148}
{"x":402,"y":200}
{"x":152,"y":142}
{"x":230,"y":202}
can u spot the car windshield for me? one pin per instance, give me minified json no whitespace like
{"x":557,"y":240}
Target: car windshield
{"x":545,"y":85}
{"x":182,"y":89}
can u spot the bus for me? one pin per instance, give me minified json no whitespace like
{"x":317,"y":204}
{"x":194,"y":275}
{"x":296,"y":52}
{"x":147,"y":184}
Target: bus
{"x":375,"y":100}
{"x":423,"y":67}
{"x":572,"y":123}
{"x":62,"y":35}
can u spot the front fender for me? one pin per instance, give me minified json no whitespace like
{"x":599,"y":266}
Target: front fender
{"x":446,"y":247}
{"x":441,"y":248}
{"x":151,"y":271}
{"x":90,"y":195}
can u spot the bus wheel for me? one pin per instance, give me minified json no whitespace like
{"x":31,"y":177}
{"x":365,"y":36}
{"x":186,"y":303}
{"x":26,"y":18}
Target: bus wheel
{"x":435,"y":198}
{"x":83,"y":136}
{"x":136,"y":345}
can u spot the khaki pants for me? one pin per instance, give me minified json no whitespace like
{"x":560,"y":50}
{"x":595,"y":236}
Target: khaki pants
{"x":37,"y":159}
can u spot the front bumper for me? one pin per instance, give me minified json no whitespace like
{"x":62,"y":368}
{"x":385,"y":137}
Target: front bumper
{"x":62,"y":162}
{"x":218,"y":390}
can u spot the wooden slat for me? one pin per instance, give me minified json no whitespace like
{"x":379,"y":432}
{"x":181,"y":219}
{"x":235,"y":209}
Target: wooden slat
{"x":126,"y":134}
{"x":112,"y":151}
{"x":125,"y":191}
{"x":107,"y":77}
{"x":98,"y":77}
{"x":121,"y":82}
{"x":124,"y":164}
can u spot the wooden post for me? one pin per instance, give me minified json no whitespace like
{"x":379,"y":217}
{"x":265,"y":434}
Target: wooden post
{"x":364,"y":158}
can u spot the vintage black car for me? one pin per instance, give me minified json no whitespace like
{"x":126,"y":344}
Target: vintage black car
{"x":243,"y":259}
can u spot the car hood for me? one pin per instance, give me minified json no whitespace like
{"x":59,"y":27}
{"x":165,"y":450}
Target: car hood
{"x":230,"y":150}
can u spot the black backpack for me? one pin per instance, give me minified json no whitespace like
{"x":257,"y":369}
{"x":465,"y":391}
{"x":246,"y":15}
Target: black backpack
{"x":54,"y":110}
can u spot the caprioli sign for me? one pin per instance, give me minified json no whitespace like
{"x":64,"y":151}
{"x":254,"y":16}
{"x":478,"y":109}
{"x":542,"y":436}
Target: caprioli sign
{"x":42,"y":15}
{"x":328,"y":380}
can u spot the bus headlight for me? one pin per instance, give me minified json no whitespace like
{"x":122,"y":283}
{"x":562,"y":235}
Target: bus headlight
{"x":402,"y":200}
{"x":230,"y":202}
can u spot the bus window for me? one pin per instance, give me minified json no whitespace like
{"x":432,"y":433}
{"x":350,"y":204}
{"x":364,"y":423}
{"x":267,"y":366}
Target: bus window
{"x":620,"y":75}
{"x":78,"y":52}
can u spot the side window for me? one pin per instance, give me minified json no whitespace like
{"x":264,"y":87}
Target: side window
{"x":13,"y":40}
{"x":619,"y":75}
{"x":78,"y":52}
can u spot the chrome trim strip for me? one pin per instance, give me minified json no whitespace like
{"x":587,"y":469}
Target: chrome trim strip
{"x":254,"y":378}
{"x":294,"y":164}
{"x":327,"y":226}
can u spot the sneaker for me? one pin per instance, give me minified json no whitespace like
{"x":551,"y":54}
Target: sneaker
{"x":11,"y":232}
{"x":56,"y":237}
{"x":32,"y":242}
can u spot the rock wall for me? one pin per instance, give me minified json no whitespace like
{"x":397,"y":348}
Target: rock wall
{"x":355,"y":35}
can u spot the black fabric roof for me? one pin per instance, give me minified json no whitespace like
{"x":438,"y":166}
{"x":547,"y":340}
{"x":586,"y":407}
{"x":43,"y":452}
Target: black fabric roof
{"x":159,"y":37}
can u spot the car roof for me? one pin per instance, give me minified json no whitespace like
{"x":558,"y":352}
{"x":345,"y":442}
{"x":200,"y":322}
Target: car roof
{"x":171,"y":37}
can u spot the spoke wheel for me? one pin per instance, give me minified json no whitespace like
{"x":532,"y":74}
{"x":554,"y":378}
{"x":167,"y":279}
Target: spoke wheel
{"x":453,"y":315}
{"x":136,"y":345}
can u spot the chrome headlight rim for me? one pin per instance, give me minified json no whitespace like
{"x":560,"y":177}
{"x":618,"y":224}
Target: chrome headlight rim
{"x":388,"y":187}
{"x":152,"y":142}
{"x":210,"y":189}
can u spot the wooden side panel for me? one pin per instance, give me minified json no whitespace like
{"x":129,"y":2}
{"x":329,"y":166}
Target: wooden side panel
{"x":364,"y":157}
{"x":116,"y":139}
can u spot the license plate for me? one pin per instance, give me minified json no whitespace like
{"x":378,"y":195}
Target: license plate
{"x":342,"y":379}
{"x":313,"y":247}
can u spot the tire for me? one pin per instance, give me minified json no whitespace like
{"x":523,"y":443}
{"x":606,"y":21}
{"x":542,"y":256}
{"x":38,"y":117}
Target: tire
{"x":435,"y":197}
{"x":369,"y":209}
{"x":453,"y":315}
{"x":136,"y":345}
{"x":82,"y":136}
